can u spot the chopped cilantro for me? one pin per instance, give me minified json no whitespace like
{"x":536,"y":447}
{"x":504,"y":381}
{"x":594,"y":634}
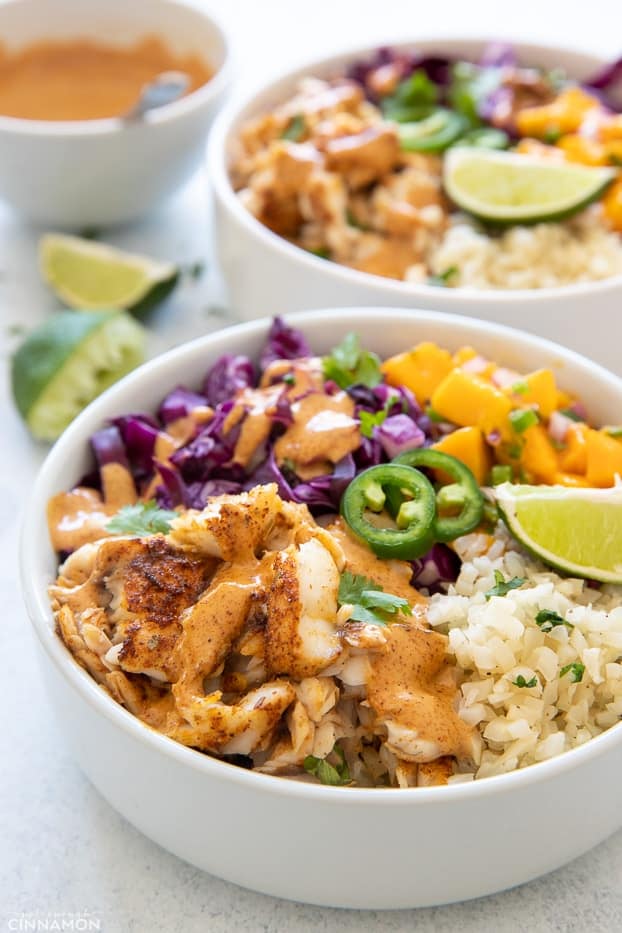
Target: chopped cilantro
{"x":435,"y":416}
{"x":442,"y":279}
{"x":337,"y":775}
{"x":371,"y":604}
{"x":575,"y":670}
{"x":570,"y":413}
{"x":289,"y":379}
{"x":295,"y":129}
{"x":371,"y":419}
{"x":322,"y":252}
{"x":349,"y":364}
{"x":546,"y":619}
{"x":521,"y":682}
{"x":502,"y":587}
{"x":142,"y":518}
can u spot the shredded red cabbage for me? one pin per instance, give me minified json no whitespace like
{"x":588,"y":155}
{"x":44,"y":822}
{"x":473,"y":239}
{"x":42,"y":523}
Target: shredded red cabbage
{"x":439,"y":566}
{"x":179,"y":403}
{"x":283,"y":343}
{"x":227,"y":376}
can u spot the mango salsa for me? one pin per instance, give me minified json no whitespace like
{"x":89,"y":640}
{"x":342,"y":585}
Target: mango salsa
{"x":466,"y":399}
{"x":469,"y":446}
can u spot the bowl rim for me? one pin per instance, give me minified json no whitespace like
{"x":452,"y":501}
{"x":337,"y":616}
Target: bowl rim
{"x":109,"y":126}
{"x":227,"y":124}
{"x":34,"y":587}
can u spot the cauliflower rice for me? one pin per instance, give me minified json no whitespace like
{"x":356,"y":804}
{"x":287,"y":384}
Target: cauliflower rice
{"x":495,"y":642}
{"x":546,"y":255}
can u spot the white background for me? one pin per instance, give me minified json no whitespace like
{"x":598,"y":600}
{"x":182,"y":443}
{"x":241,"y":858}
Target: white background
{"x":61,"y":846}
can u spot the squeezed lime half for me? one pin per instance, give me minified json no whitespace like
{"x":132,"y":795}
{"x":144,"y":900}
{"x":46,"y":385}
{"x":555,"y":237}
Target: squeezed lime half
{"x":85,"y":274}
{"x":68,"y":361}
{"x":508,"y":187}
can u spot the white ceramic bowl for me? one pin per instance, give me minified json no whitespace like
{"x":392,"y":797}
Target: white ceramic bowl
{"x":76,"y":174}
{"x":267,"y":274}
{"x":343,"y":847}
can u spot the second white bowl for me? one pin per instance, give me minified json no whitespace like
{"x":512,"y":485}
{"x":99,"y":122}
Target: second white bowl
{"x":267,"y":274}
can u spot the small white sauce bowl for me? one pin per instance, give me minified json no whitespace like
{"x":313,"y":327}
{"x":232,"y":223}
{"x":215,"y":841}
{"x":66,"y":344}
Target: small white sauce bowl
{"x":82,"y":173}
{"x":342,"y":847}
{"x":267,"y":274}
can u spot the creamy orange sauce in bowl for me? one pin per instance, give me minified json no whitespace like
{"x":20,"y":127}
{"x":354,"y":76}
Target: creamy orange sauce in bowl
{"x":69,"y":72}
{"x":83,"y":79}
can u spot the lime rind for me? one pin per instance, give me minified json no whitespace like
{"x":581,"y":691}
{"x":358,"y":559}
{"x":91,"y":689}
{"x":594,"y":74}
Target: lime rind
{"x":90,"y":275}
{"x":511,"y":188}
{"x":576,"y":531}
{"x":68,"y":362}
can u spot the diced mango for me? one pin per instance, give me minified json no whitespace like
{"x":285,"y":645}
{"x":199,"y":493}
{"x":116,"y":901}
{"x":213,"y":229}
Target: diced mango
{"x":463,"y":355}
{"x":467,"y":400}
{"x":539,"y":457}
{"x":570,"y":479}
{"x":610,"y":126}
{"x":541,"y":391}
{"x":420,"y":369}
{"x":573,"y":458}
{"x":604,"y":458}
{"x":565,"y":114}
{"x":468,"y":446}
{"x":563,"y":399}
{"x":583,"y":149}
{"x":612,"y":205}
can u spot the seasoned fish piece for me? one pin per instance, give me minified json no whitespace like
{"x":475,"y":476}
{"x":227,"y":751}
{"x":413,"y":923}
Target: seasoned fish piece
{"x":301,"y":632}
{"x":236,"y":729}
{"x":230,"y":527}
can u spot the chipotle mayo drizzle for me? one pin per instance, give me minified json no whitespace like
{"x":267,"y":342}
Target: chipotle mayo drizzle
{"x":80,"y":516}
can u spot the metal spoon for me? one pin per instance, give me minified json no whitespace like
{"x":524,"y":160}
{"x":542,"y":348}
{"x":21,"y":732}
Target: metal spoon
{"x":164,"y":89}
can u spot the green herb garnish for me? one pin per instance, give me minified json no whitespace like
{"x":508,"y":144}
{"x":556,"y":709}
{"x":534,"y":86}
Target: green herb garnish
{"x":289,"y":379}
{"x":371,"y":604}
{"x":615,"y":159}
{"x":353,"y":221}
{"x":570,"y":413}
{"x":613,"y":430}
{"x":502,"y":587}
{"x":546,"y":619}
{"x":142,"y":518}
{"x":322,"y":252}
{"x":349,"y":364}
{"x":413,"y":99}
{"x":295,"y":129}
{"x":523,"y":418}
{"x":371,"y":419}
{"x":576,"y":670}
{"x":442,"y":279}
{"x":521,"y":682}
{"x":337,"y":775}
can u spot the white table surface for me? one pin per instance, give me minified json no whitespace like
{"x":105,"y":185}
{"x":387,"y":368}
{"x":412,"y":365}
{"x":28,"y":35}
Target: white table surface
{"x":62,"y":848}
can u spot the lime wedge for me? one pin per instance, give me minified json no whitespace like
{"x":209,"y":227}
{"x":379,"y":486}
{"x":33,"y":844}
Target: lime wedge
{"x":577,"y":531}
{"x":507,"y":187}
{"x":68,"y":361}
{"x":85,"y":274}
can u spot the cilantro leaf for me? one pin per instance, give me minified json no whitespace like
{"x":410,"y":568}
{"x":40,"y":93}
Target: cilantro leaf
{"x":521,"y":682}
{"x":576,"y":670}
{"x":443,"y":278}
{"x":142,"y":518}
{"x":546,"y":619}
{"x":371,"y":419}
{"x":336,"y":775}
{"x":370,"y":603}
{"x":502,"y":587}
{"x":349,"y":364}
{"x":295,"y":129}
